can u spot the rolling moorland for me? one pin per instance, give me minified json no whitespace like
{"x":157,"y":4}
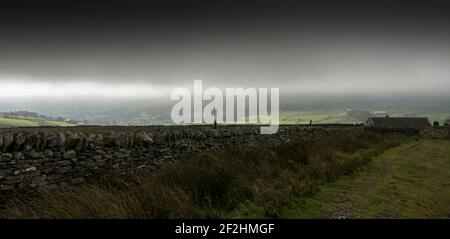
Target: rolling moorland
{"x":325,"y":116}
{"x":369,"y":176}
{"x":292,"y":111}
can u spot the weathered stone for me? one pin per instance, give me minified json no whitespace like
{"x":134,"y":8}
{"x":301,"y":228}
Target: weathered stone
{"x":35,"y":173}
{"x":8,"y":139}
{"x":120,"y":139}
{"x":52,"y":141}
{"x":19,"y":139}
{"x":55,"y":177}
{"x":27,"y":147}
{"x":6,"y":157}
{"x":30,"y":169}
{"x":70,"y":154}
{"x":48,"y":153}
{"x":64,"y":162}
{"x":35,"y":155}
{"x":81,"y":145}
{"x":101,"y":152}
{"x":44,"y":141}
{"x":226,"y":133}
{"x":56,"y":141}
{"x":71,"y":141}
{"x":130,"y":139}
{"x":38,"y":180}
{"x":213,"y":133}
{"x":31,"y":141}
{"x":64,"y":169}
{"x":57,"y":154}
{"x":143,"y":138}
{"x":90,"y":141}
{"x":185,"y":133}
{"x":77,"y":180}
{"x":160,"y":139}
{"x":109,"y":139}
{"x":96,"y":157}
{"x":201,"y":135}
{"x":61,"y":140}
{"x":108,"y":156}
{"x":173,"y":135}
{"x":123,"y":156}
{"x":98,"y":141}
{"x":7,"y":187}
{"x":18,"y":156}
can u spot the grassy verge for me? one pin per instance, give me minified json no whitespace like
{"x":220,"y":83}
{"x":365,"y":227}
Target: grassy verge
{"x":410,"y":181}
{"x":233,"y":183}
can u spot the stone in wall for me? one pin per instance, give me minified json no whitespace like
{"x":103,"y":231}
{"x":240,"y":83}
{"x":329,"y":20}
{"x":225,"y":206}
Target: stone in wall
{"x":8,"y":139}
{"x":143,"y":139}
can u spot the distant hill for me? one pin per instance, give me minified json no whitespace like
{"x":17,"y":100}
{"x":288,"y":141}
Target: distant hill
{"x":30,"y":119}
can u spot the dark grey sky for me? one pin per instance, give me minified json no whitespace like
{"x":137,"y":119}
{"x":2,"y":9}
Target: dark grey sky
{"x":128,"y":50}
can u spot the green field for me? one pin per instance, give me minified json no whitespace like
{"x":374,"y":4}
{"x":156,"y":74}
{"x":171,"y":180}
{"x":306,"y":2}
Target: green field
{"x":15,"y":122}
{"x":317,"y":117}
{"x":409,"y":181}
{"x":58,"y":123}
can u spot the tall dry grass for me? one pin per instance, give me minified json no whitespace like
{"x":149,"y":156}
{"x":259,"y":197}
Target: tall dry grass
{"x":231,"y":183}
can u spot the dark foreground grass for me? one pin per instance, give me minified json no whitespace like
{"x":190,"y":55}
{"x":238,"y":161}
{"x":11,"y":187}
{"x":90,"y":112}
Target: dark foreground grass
{"x":232,"y":183}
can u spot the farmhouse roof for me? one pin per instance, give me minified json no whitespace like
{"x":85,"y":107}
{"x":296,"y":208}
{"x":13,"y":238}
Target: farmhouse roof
{"x":399,"y":121}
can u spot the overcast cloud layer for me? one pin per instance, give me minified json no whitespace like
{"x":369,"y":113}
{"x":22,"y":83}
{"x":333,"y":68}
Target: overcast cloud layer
{"x":128,"y":52}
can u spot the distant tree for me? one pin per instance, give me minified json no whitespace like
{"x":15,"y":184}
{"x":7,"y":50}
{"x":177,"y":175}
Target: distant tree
{"x":26,"y":114}
{"x":436,"y":123}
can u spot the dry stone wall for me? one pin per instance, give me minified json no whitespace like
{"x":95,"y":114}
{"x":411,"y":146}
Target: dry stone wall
{"x":30,"y":158}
